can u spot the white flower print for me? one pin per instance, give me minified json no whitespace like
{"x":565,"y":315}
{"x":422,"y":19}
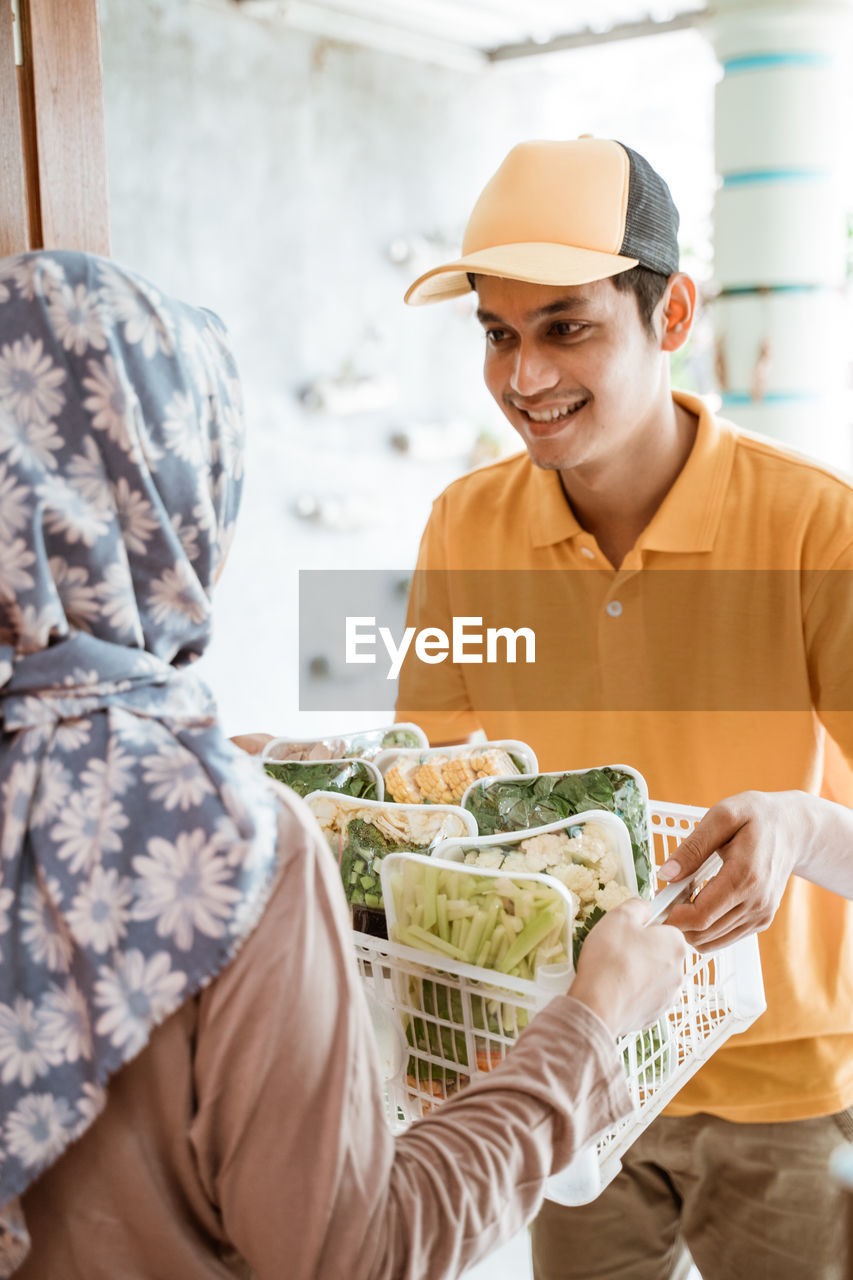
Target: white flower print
{"x":16,"y":794}
{"x":79,"y":599}
{"x":140,"y":309}
{"x":54,"y":785}
{"x":15,"y":560}
{"x":37,"y":277}
{"x":84,"y":833}
{"x":64,"y":1019}
{"x":178,"y":595}
{"x":37,"y":1130}
{"x":7,"y":897}
{"x":98,"y":915}
{"x":111,"y":401}
{"x":87,"y":475}
{"x":44,"y":933}
{"x":91,"y":1104}
{"x":135,"y":515}
{"x":135,"y":995}
{"x":181,"y":886}
{"x":29,"y":444}
{"x":29,"y":380}
{"x":177,"y":778}
{"x":118,"y":607}
{"x":76,"y":319}
{"x":232,"y":440}
{"x":72,"y":734}
{"x":188,"y":536}
{"x":68,"y":513}
{"x":111,"y":776}
{"x":15,"y":504}
{"x":25,"y":1050}
{"x":184,"y":428}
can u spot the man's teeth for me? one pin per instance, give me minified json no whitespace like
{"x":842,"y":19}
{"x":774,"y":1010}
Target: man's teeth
{"x":551,"y":415}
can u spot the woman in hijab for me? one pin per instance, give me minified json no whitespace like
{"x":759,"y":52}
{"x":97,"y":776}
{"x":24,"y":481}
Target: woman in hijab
{"x":188,"y":1084}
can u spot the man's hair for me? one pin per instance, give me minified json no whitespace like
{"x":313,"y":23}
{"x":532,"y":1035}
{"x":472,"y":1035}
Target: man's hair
{"x":648,"y":288}
{"x":646,"y":285}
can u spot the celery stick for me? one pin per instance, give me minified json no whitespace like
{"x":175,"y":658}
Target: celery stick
{"x":498,"y":937}
{"x":463,"y":934}
{"x":441,"y":916}
{"x":430,"y":891}
{"x":502,"y":950}
{"x":417,"y":937}
{"x":456,"y":932}
{"x":474,"y":936}
{"x":397,"y":894}
{"x":534,"y":931}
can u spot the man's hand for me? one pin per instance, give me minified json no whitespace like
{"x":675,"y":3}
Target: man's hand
{"x":762,"y":838}
{"x":629,"y":974}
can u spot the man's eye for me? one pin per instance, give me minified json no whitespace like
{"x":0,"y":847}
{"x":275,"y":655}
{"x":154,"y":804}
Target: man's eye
{"x":496,"y":336}
{"x":566,"y":328}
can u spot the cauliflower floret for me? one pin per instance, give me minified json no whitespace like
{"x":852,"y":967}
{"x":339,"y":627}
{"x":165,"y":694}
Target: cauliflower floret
{"x":611,"y":895}
{"x":515,"y":862}
{"x":608,"y":867}
{"x":548,"y":850}
{"x":492,"y":859}
{"x":580,"y":880}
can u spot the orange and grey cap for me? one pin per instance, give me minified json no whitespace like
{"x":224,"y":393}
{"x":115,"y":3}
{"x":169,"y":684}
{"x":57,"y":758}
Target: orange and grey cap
{"x":563,"y":213}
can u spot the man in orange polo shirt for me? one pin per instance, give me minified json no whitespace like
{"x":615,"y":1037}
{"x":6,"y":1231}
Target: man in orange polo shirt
{"x":686,"y":654}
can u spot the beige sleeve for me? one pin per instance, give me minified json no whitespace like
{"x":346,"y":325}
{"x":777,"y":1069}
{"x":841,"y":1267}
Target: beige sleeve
{"x":290,"y":1136}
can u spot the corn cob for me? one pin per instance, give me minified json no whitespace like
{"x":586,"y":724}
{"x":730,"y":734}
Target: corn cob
{"x":400,"y":783}
{"x":429,"y":778}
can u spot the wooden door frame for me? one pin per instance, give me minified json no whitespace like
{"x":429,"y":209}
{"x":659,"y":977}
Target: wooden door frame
{"x":53,"y":164}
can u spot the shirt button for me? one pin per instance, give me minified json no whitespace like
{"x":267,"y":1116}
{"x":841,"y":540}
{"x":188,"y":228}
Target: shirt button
{"x":588,"y":552}
{"x":614,"y":608}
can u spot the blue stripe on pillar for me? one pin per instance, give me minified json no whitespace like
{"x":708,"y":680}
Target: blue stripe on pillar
{"x":752,"y":177}
{"x":731,"y":398}
{"x":745,"y":290}
{"x":768,"y":61}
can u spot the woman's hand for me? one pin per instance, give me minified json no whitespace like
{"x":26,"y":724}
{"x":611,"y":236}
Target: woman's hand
{"x":629,"y":974}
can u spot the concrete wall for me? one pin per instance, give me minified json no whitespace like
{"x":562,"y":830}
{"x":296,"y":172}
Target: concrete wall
{"x":265,"y":173}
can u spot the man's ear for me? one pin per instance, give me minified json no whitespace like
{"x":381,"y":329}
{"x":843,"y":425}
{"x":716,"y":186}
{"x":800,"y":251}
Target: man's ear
{"x":679,"y":309}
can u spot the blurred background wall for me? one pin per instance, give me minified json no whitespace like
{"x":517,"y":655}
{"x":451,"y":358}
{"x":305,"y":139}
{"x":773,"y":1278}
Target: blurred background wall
{"x":296,"y":184}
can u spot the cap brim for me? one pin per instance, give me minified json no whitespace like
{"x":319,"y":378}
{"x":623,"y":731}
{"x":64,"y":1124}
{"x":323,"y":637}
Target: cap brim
{"x":537,"y":263}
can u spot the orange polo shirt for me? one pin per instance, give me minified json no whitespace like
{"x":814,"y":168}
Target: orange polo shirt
{"x":714,"y":660}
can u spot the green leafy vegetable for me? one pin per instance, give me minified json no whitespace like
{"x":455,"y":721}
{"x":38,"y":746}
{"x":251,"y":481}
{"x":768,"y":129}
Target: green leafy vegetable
{"x":363,"y":849}
{"x":304,"y":777}
{"x":533,"y":802}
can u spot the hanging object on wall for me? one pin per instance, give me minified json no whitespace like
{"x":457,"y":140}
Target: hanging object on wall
{"x":348,"y":394}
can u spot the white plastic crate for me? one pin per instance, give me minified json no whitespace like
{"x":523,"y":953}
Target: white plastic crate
{"x":455,"y":1021}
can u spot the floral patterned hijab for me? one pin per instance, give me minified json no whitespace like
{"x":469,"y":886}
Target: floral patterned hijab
{"x":137,"y":845}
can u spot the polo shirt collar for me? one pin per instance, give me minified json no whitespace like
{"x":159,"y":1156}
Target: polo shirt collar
{"x":689,"y":516}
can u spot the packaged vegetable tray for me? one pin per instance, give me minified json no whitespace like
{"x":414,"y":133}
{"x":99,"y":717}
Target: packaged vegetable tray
{"x":351,"y":777}
{"x":442,"y":775}
{"x":535,"y":799}
{"x":590,"y":855}
{"x":482,"y":924}
{"x":364,"y":745}
{"x":360,"y":833}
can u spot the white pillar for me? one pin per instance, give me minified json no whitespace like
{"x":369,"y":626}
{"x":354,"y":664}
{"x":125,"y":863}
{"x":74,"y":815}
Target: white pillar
{"x":780,"y":242}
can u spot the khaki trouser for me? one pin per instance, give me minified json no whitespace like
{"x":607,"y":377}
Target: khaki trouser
{"x":752,"y":1202}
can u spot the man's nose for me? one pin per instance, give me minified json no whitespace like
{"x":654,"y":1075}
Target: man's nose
{"x":533,"y":371}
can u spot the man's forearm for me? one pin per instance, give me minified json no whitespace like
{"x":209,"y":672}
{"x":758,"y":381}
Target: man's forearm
{"x":828,"y":860}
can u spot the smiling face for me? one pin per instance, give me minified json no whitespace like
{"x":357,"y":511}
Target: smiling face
{"x":574,"y":369}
